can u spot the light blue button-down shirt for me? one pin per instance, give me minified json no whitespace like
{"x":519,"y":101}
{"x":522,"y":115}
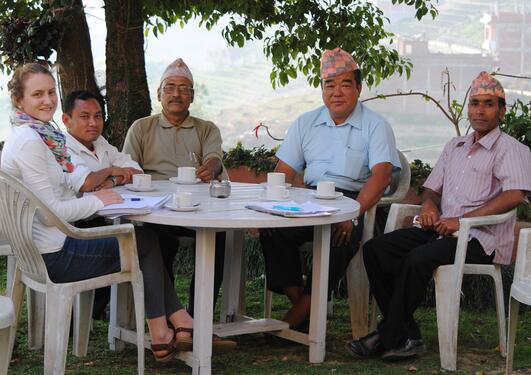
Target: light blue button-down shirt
{"x":343,"y":153}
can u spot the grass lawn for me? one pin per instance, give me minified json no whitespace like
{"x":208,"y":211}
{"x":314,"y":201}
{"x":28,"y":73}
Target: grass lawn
{"x":259,"y":354}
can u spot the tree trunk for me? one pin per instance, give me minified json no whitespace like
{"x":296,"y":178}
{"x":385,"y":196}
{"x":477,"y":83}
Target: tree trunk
{"x":127,"y":89}
{"x":74,"y":53}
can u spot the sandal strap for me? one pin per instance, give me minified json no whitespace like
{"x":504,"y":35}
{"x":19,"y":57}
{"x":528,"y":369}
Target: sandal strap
{"x":183,"y":329}
{"x":168,"y":346}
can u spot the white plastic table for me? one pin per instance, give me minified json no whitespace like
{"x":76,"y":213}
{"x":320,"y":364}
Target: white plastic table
{"x":230,"y":215}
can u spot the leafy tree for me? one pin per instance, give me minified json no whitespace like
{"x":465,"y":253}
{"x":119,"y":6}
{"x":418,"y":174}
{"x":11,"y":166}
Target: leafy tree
{"x":295,"y":32}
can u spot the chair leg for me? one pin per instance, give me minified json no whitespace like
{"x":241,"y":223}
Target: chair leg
{"x":268,"y":300}
{"x":330,"y":307}
{"x":358,"y":296}
{"x":59,"y":312}
{"x":36,"y":318}
{"x":11,"y":264}
{"x":447,"y":318}
{"x":138,"y":295}
{"x":500,"y":310}
{"x":373,"y":320}
{"x":83,"y":304}
{"x":17,"y":296}
{"x":4,"y":350}
{"x":514,"y":306}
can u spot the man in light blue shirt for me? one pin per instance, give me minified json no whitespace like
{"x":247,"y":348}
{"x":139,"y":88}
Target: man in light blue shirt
{"x":344,"y":142}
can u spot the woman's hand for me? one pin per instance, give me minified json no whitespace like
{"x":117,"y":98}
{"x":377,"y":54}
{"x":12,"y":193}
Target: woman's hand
{"x":108,"y":196}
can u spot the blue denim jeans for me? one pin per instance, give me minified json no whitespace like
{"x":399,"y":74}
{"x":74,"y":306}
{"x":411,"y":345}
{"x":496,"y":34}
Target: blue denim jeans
{"x":83,"y":259}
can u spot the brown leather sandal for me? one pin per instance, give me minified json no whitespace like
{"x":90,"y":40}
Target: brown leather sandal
{"x":219,"y":345}
{"x":184,"y":344}
{"x":170,"y":347}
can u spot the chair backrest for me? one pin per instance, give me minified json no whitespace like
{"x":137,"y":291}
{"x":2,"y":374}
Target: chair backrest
{"x":522,"y":268}
{"x":399,"y":186}
{"x":18,"y":207}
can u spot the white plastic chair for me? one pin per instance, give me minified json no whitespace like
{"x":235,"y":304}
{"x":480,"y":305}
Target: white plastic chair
{"x":357,"y":281}
{"x":19,"y":207}
{"x":7,"y":317}
{"x":448,"y":280}
{"x":520,"y":291}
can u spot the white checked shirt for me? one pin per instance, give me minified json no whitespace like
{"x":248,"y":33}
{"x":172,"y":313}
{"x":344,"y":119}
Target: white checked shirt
{"x":105,"y":155}
{"x":469,"y":174}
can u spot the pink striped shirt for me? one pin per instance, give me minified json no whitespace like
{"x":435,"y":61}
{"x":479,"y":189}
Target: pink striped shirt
{"x":469,"y":174}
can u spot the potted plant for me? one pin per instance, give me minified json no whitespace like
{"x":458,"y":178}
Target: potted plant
{"x":419,"y":173}
{"x":249,"y":165}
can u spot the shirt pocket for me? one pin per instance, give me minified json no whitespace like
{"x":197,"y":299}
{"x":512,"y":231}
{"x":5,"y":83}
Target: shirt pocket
{"x":479,"y":183}
{"x":355,"y":160}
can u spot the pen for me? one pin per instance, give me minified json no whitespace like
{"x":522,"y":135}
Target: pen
{"x":134,"y":199}
{"x":286,"y":208}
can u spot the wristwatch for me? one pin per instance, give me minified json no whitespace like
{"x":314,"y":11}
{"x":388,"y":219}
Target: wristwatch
{"x":114,"y":181}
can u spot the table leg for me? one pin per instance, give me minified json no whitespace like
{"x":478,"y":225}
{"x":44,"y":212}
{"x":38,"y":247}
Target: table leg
{"x":321,"y":257}
{"x":232,"y":276}
{"x":205,"y":241}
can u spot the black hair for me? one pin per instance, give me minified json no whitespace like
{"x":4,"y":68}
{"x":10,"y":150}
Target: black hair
{"x":501,"y":102}
{"x":70,"y":100}
{"x":357,"y":76}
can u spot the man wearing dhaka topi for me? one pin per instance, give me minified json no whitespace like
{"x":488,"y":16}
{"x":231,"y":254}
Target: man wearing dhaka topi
{"x":401,"y":263}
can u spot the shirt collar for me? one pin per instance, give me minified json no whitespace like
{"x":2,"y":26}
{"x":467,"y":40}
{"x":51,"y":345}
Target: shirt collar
{"x":187,"y":123}
{"x":77,"y":146}
{"x":487,"y":141}
{"x":354,"y":120}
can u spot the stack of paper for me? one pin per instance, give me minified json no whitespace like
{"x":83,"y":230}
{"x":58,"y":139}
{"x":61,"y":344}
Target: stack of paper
{"x":292,"y":208}
{"x":134,"y":205}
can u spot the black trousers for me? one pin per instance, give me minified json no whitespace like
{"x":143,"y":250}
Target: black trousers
{"x":282,"y":258}
{"x":169,"y":244}
{"x":399,"y":266}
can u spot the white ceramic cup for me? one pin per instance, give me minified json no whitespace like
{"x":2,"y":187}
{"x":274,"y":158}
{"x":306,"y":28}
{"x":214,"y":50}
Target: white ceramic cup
{"x":275,"y":179}
{"x":186,"y":174}
{"x":182,"y":199}
{"x":142,"y":180}
{"x":277,"y":192}
{"x":326,"y":188}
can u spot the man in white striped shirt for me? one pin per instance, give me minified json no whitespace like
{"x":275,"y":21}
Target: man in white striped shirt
{"x":484,"y":173}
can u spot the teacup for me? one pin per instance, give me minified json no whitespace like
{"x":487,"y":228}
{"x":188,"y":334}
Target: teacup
{"x":142,"y":180}
{"x":326,"y":188}
{"x":182,"y":199}
{"x":276,"y":178}
{"x":186,"y":174}
{"x":276,"y":192}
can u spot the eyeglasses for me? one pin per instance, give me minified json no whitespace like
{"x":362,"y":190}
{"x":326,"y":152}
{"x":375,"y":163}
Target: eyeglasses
{"x":182,"y":90}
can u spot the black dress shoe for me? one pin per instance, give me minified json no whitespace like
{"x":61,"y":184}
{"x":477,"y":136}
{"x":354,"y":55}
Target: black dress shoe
{"x":366,"y":347}
{"x":409,"y":349}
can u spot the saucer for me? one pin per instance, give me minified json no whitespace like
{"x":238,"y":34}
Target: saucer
{"x":195,"y":207}
{"x":176,"y":180}
{"x":287,"y":184}
{"x":336,"y":194}
{"x":140,"y":188}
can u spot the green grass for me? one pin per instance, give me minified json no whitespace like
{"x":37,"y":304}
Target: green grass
{"x":259,"y":354}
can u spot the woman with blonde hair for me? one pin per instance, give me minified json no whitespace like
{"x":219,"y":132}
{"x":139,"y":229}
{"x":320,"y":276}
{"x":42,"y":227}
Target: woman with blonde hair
{"x":35,"y":152}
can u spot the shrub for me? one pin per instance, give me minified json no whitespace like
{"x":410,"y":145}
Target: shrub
{"x":258,"y":159}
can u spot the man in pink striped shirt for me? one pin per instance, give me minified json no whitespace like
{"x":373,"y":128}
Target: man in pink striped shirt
{"x":483,"y":173}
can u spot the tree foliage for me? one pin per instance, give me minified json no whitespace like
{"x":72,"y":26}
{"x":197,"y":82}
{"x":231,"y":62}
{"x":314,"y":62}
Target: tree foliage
{"x":295,"y":32}
{"x":28,"y":32}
